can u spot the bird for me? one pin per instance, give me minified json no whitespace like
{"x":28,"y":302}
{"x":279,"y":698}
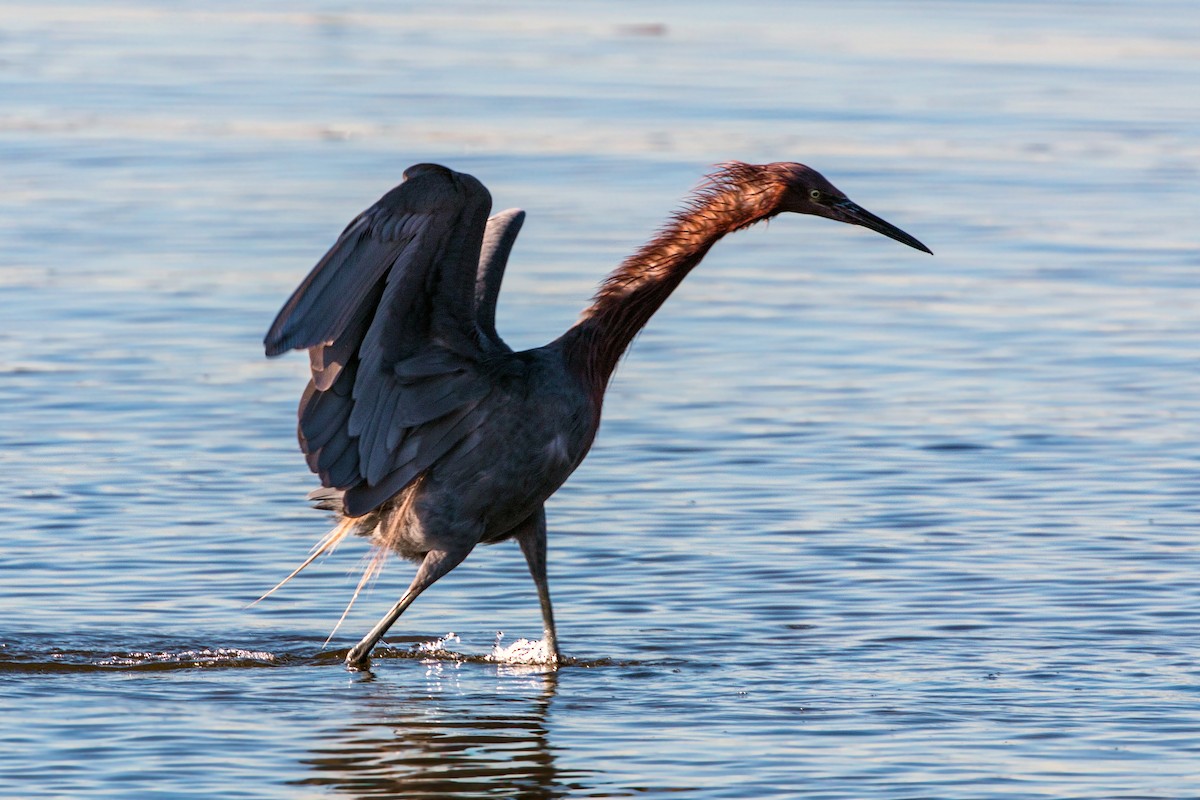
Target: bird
{"x":430,"y":435}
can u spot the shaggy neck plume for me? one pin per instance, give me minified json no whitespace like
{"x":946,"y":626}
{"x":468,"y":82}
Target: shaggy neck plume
{"x":736,"y":196}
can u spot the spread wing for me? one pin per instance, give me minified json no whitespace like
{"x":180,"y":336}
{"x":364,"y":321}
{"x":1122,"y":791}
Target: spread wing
{"x":498,"y":239}
{"x":389,"y":319}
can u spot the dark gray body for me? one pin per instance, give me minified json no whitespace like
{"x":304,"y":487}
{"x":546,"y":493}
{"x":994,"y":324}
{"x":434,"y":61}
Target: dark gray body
{"x":535,"y":428}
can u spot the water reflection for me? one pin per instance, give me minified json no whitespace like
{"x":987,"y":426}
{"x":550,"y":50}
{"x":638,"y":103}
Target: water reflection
{"x":447,"y":740}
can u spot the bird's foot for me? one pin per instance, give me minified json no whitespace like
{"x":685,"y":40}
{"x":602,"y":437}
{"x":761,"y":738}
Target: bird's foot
{"x":358,"y":660}
{"x":555,"y":655}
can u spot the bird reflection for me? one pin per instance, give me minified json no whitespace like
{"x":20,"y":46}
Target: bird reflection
{"x":446,"y":741}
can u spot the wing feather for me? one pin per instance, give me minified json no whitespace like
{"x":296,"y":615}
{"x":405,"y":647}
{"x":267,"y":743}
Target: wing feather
{"x":398,"y":317}
{"x":425,"y":446}
{"x":325,"y":419}
{"x":326,"y":301}
{"x":340,"y":467}
{"x":498,"y":240}
{"x":328,"y":360}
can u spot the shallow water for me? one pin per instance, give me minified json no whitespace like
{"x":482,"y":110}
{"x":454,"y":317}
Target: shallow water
{"x":860,"y":523}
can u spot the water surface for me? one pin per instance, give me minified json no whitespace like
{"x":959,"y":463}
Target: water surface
{"x":860,"y":523}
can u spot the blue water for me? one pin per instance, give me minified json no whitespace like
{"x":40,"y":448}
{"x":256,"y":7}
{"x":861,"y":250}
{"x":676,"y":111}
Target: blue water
{"x":860,"y":523}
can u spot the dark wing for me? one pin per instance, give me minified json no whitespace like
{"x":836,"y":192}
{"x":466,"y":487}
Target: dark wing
{"x":498,"y":239}
{"x":388,"y":317}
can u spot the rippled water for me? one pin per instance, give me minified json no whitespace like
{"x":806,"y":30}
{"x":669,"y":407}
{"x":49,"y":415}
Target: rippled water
{"x":860,"y":523}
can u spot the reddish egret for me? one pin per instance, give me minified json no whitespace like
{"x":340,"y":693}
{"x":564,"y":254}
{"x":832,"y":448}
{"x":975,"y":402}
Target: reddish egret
{"x":429,"y":433}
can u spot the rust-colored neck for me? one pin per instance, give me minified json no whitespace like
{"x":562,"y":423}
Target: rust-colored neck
{"x":735,"y":197}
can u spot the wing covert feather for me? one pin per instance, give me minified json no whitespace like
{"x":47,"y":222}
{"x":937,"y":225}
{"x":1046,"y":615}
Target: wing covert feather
{"x":424,"y":446}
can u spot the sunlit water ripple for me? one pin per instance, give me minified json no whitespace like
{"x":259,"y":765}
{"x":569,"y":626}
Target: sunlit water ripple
{"x":860,"y":523}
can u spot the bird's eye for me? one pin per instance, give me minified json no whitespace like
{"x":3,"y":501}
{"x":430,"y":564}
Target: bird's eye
{"x":815,"y":194}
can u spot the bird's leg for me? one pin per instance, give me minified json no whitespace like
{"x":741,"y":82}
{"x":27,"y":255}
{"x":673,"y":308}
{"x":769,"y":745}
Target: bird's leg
{"x":531,"y":535}
{"x":436,"y":564}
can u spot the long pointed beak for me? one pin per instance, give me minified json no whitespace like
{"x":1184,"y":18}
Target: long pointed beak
{"x":853,"y":213}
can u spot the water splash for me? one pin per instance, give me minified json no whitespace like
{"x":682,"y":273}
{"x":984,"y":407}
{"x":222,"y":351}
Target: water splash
{"x":33,"y":658}
{"x":437,"y":648}
{"x":220,"y":656}
{"x":521,"y":652}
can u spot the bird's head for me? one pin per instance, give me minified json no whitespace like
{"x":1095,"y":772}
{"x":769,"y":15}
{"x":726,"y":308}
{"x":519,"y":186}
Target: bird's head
{"x":808,"y":192}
